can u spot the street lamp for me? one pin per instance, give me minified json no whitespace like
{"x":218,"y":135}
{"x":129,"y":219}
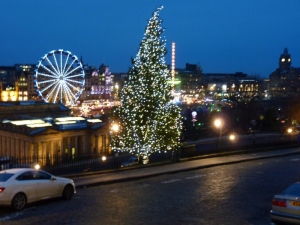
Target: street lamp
{"x":289,"y":132}
{"x":231,"y":137}
{"x":219,"y":124}
{"x":115,"y":127}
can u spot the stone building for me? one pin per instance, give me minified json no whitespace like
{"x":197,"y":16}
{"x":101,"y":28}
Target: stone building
{"x":37,"y":129}
{"x":190,"y":82}
{"x":285,"y":80}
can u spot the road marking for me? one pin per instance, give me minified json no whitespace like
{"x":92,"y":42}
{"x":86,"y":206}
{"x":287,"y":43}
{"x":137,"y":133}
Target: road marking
{"x":170,"y":181}
{"x":10,"y":216}
{"x":213,"y":173}
{"x":259,"y":172}
{"x":196,"y":176}
{"x":297,"y":159}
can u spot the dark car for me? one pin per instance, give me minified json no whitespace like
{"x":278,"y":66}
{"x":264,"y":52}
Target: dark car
{"x":135,"y":161}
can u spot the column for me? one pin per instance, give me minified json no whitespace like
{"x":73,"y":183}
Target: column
{"x":96,"y":144}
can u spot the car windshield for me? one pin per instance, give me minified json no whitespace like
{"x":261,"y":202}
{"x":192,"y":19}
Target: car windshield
{"x":5,"y":176}
{"x":293,"y":190}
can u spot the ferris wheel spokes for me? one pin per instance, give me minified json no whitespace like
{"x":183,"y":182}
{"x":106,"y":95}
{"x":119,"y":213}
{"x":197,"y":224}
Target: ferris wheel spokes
{"x":52,"y":89}
{"x":73,"y":76}
{"x":59,"y":77}
{"x":55,"y":70}
{"x":66,"y":72}
{"x":49,"y":86}
{"x":50,"y":71}
{"x":47,"y":75}
{"x":71,"y":71}
{"x":57,"y":67}
{"x":69,"y":94}
{"x":67,"y":58}
{"x":68,"y":85}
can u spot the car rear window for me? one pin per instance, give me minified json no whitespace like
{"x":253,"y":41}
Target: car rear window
{"x":5,"y":176}
{"x":293,"y":190}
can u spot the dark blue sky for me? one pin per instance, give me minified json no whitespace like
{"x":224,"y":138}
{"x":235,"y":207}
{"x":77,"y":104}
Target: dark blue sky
{"x":223,"y":36}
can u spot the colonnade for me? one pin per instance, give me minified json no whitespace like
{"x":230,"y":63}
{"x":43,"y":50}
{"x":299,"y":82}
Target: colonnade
{"x":49,"y":145}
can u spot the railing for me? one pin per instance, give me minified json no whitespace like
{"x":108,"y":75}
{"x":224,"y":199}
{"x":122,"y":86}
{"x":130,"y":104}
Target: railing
{"x":84,"y":163}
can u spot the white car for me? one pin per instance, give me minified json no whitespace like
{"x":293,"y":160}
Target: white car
{"x":25,"y":185}
{"x":286,"y":206}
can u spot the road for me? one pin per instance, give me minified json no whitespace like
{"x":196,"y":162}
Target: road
{"x":238,"y":193}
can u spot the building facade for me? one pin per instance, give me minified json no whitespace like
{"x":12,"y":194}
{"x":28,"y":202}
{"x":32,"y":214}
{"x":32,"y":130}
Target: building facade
{"x":44,"y":130}
{"x":285,"y":80}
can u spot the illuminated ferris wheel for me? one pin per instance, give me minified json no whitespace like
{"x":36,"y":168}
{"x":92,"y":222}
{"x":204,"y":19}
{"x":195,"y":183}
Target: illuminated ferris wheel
{"x":59,"y":77}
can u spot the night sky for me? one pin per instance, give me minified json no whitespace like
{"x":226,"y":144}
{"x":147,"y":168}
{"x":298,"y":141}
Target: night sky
{"x":222,"y":36}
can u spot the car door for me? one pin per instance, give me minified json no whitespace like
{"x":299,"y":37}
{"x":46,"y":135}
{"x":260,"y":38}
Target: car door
{"x":27,"y":184}
{"x":46,"y":187}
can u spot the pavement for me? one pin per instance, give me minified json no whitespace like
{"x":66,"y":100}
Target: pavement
{"x":146,"y":171}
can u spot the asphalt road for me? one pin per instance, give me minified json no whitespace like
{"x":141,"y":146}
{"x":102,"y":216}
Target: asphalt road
{"x":239,"y":193}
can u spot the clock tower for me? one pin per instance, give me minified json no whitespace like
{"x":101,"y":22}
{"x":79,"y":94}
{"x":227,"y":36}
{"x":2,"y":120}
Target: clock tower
{"x":285,"y":60}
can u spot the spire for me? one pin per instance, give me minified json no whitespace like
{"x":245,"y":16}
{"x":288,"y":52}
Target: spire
{"x":81,"y":60}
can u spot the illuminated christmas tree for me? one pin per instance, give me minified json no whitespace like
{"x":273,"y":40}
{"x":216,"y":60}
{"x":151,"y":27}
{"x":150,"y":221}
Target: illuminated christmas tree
{"x":147,"y":120}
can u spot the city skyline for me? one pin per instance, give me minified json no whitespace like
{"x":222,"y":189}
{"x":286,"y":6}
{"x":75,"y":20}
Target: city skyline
{"x":221,"y":36}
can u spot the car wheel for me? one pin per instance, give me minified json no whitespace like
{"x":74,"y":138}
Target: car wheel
{"x":19,"y":201}
{"x":68,"y":192}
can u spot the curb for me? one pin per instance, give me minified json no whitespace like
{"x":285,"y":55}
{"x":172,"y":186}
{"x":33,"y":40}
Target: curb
{"x":140,"y":177}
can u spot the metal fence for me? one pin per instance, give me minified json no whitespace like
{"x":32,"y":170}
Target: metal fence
{"x":84,"y":163}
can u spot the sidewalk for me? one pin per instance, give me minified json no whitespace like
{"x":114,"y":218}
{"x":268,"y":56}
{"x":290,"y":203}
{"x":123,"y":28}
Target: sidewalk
{"x":121,"y":175}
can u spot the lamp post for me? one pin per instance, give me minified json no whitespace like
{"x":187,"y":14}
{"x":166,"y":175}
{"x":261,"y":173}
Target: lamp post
{"x":233,"y":138}
{"x":219,"y":124}
{"x":115,"y":129}
{"x":289,"y":132}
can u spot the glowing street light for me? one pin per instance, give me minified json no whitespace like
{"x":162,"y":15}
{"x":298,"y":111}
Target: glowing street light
{"x":219,"y":124}
{"x":115,"y":127}
{"x":289,"y":130}
{"x":37,"y":166}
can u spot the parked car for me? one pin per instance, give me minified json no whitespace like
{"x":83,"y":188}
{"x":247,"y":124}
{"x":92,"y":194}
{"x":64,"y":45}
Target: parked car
{"x":286,"y":206}
{"x":135,"y":161}
{"x":21,"y":186}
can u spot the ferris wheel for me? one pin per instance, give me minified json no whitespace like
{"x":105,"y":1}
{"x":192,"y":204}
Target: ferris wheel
{"x":59,"y":77}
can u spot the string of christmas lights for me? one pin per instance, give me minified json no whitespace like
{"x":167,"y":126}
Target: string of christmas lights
{"x":147,"y":120}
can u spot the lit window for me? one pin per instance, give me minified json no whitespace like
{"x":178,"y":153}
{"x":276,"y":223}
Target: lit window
{"x":289,"y":59}
{"x":283,"y":59}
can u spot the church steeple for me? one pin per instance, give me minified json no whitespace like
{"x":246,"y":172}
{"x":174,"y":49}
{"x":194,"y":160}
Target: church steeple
{"x":285,"y":60}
